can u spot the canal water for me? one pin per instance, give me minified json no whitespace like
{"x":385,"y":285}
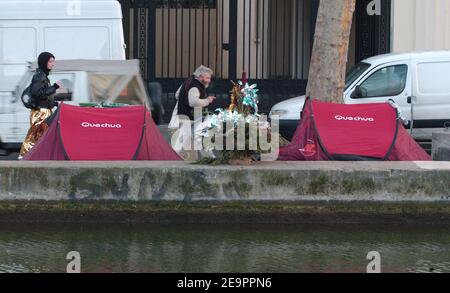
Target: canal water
{"x":224,"y":248}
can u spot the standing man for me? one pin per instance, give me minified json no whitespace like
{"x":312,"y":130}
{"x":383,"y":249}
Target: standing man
{"x":191,"y":95}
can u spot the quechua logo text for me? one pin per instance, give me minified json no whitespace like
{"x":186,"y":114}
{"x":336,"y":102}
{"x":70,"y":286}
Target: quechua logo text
{"x":101,"y":125}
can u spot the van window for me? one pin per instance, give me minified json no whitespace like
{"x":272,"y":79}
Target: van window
{"x":17,"y":44}
{"x":434,"y":78}
{"x":67,"y":79}
{"x":387,"y":81}
{"x":354,"y":73}
{"x":78,"y":42}
{"x":117,"y":87}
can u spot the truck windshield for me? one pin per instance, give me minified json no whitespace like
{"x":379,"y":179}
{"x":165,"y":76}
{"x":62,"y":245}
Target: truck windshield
{"x":355,"y":72}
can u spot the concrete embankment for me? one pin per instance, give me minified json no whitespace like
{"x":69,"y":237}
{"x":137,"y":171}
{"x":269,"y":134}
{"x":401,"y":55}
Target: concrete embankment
{"x":265,"y":192}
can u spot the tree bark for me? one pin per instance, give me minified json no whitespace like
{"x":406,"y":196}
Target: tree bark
{"x":329,"y":56}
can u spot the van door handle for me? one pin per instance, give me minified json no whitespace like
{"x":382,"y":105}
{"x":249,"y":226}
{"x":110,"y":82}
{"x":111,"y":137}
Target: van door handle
{"x":409,"y":100}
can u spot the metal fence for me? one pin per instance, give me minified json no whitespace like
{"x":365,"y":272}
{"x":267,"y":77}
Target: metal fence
{"x":269,"y":40}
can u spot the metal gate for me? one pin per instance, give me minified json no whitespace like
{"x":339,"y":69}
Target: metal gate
{"x":269,"y":40}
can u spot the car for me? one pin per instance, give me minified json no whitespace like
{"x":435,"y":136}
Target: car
{"x":417,"y":82}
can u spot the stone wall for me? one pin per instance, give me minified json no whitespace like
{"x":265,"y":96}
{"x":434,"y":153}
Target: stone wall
{"x":159,"y":182}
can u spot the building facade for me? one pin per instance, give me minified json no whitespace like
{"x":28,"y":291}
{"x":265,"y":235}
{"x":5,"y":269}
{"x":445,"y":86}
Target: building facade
{"x":420,"y":25}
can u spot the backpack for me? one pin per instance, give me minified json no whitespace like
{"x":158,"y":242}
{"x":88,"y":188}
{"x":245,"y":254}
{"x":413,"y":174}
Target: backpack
{"x":27,"y":99}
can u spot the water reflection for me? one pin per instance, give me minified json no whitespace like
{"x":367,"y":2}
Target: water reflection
{"x":224,"y":248}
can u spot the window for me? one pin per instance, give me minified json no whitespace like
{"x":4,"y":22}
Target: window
{"x":387,"y":81}
{"x":118,"y":88}
{"x":67,"y":80}
{"x":355,"y":72}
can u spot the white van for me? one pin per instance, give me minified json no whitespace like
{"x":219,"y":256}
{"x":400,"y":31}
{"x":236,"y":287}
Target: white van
{"x":70,"y":29}
{"x":419,"y":83}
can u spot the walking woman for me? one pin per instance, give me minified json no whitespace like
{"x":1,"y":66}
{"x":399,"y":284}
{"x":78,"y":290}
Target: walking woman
{"x":42,"y":93}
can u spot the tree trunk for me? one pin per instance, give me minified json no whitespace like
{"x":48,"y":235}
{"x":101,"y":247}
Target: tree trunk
{"x":329,"y":56}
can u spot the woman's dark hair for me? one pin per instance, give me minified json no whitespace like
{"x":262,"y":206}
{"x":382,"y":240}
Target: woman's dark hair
{"x":43,"y":59}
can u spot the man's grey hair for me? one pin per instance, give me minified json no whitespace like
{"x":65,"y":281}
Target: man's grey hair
{"x":202,"y":70}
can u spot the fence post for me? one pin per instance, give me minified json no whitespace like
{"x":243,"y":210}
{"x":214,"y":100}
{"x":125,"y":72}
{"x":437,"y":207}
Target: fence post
{"x":232,"y":57}
{"x":151,"y":41}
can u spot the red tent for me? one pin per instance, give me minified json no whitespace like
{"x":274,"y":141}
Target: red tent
{"x":351,"y":133}
{"x":102,"y":134}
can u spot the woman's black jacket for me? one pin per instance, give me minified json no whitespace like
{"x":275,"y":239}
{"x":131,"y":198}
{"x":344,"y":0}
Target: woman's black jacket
{"x":42,"y":91}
